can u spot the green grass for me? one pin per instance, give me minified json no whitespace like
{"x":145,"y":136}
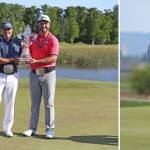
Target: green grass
{"x":88,"y":55}
{"x":135,"y":128}
{"x":134,"y":125}
{"x":125,"y":103}
{"x":125,"y":85}
{"x":86,"y":118}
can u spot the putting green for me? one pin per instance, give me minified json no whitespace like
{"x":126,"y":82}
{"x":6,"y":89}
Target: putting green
{"x":86,"y":118}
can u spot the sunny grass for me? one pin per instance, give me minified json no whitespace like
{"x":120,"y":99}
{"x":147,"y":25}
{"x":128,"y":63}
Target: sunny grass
{"x":86,"y":117}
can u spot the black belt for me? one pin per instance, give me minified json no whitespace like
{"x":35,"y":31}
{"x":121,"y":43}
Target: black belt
{"x":14,"y":71}
{"x":46,"y":69}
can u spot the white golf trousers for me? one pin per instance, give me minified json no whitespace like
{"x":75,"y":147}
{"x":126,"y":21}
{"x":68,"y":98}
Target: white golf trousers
{"x":9,"y":83}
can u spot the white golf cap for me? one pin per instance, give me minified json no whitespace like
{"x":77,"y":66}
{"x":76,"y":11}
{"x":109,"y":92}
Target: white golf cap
{"x":44,"y":17}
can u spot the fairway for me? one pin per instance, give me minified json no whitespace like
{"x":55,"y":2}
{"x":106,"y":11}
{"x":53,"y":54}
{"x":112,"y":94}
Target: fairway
{"x":86,"y":118}
{"x":135,"y":126}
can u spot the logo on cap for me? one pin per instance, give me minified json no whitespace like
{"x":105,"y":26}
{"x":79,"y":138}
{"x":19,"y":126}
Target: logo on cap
{"x":43,"y":17}
{"x":6,"y":25}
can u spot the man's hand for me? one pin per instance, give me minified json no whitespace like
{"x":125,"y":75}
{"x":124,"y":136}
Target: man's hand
{"x":32,"y":61}
{"x":17,"y":60}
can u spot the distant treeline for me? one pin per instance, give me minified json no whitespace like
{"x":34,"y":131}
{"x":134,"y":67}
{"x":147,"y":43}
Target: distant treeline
{"x":73,"y":24}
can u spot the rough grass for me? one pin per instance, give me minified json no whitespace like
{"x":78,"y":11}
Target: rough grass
{"x":86,"y":118}
{"x":88,"y":55}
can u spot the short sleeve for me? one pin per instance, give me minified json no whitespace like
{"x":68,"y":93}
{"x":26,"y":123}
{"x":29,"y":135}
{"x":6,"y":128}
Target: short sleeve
{"x":54,"y":46}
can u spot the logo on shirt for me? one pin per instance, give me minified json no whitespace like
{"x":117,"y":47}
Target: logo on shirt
{"x":15,"y":45}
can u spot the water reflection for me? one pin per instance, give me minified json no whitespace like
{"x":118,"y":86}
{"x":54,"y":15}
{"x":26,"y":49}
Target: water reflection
{"x":71,"y":72}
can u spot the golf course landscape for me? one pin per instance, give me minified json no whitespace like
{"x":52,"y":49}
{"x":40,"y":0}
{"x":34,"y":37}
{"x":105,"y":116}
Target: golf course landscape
{"x":86,"y":118}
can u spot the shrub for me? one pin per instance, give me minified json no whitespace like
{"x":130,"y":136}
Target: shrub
{"x":140,"y":80}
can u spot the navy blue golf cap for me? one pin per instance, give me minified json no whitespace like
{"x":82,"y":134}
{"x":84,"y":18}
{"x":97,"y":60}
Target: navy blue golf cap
{"x":6,"y":24}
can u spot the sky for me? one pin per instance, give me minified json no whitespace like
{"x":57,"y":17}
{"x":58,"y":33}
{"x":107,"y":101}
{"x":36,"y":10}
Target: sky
{"x":99,"y":4}
{"x":135,"y":16}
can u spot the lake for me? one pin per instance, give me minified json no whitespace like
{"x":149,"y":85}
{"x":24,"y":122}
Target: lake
{"x":71,"y":72}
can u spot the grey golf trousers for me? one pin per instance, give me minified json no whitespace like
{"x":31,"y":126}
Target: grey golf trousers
{"x":42,"y":85}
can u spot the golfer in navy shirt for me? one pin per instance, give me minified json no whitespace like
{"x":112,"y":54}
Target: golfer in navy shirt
{"x":10,"y":50}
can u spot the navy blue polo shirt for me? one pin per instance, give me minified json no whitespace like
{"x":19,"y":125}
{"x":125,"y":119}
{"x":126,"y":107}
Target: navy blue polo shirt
{"x":12,"y":47}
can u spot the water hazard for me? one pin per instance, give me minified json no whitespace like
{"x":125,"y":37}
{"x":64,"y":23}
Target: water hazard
{"x":101,"y":74}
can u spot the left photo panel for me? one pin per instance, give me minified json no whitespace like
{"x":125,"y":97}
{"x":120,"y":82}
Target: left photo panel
{"x":59,"y":75}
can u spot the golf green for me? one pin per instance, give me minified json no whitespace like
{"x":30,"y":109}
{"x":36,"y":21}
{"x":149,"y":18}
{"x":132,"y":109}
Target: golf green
{"x":86,"y":118}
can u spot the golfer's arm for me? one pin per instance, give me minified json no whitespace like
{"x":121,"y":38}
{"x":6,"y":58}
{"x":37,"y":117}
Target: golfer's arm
{"x":6,"y":60}
{"x":50,"y":59}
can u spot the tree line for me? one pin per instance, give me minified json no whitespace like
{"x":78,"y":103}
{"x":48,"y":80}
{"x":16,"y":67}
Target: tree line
{"x":73,"y":24}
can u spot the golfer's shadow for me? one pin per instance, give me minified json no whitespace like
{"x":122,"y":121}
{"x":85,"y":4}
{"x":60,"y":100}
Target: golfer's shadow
{"x":92,"y":139}
{"x":1,"y":133}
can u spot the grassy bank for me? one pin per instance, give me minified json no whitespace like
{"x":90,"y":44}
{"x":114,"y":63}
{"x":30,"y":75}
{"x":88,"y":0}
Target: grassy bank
{"x":88,"y":55}
{"x":86,"y":118}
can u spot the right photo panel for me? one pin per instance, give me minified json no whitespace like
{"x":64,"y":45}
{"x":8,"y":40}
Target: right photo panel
{"x":135,"y":75}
